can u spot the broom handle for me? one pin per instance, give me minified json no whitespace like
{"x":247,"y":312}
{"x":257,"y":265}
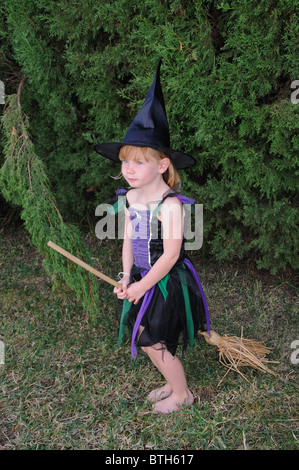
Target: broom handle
{"x":83,"y":265}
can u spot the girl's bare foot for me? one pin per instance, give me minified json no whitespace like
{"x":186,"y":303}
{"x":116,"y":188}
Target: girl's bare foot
{"x":159,"y":393}
{"x":173,"y":403}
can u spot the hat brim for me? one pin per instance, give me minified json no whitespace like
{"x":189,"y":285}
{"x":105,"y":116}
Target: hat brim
{"x":111,"y":150}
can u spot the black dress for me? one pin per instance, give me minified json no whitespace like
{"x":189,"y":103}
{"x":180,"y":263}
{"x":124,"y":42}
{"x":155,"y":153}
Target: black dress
{"x":173,"y":310}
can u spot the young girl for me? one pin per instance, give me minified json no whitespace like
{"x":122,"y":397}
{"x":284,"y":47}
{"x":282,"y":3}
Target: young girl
{"x":162,"y":296}
{"x":145,"y":170}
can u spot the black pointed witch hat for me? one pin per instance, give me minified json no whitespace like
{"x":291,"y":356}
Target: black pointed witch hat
{"x":149,"y":129}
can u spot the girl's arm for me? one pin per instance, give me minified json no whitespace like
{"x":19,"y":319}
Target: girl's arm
{"x":172,"y":222}
{"x":127,"y":259}
{"x":127,"y":252}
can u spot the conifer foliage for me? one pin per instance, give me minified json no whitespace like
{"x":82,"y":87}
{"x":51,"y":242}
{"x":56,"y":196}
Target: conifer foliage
{"x":24,"y":183}
{"x":227,"y":72}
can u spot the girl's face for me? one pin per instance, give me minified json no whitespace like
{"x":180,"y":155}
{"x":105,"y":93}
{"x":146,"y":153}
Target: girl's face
{"x":139,"y":171}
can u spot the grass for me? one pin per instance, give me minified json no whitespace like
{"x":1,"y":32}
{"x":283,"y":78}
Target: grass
{"x":66,"y":385}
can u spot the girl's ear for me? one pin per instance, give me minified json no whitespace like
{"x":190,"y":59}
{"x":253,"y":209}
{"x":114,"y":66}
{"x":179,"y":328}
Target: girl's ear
{"x":164,"y":164}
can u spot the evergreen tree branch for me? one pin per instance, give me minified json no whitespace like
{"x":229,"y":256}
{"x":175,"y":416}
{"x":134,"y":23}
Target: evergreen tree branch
{"x":24,"y":182}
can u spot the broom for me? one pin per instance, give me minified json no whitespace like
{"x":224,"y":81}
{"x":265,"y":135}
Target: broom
{"x":235,"y":352}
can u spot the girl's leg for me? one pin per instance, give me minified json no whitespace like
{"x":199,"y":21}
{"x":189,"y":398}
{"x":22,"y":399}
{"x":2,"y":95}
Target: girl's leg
{"x":161,"y":392}
{"x":172,"y":370}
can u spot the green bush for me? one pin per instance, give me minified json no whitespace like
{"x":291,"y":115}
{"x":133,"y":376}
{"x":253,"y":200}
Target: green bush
{"x":226,"y":75}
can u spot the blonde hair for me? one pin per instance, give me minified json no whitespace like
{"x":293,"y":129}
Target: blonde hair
{"x":171,"y":175}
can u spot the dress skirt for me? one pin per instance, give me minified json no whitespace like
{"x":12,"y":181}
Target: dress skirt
{"x":172,"y":316}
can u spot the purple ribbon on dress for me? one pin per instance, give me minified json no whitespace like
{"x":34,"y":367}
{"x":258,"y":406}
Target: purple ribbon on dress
{"x":145,"y":303}
{"x":121,"y":191}
{"x":195,"y":275}
{"x":185,"y":199}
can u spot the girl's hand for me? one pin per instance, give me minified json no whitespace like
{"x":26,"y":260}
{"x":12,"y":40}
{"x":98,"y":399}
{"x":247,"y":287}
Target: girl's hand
{"x":134,"y":292}
{"x":122,"y":293}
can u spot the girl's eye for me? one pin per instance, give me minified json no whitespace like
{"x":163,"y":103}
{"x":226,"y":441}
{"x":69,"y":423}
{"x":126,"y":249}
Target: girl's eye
{"x":139,"y":163}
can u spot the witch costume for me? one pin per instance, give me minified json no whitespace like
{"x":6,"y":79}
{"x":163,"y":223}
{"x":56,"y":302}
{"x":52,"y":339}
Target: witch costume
{"x":174,"y":309}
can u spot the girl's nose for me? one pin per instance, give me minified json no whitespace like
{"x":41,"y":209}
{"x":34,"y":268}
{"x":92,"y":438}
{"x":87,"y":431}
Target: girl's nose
{"x":130,"y":168}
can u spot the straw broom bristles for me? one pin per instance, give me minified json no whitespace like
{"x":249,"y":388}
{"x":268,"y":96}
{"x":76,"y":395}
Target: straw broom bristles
{"x":236,"y":352}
